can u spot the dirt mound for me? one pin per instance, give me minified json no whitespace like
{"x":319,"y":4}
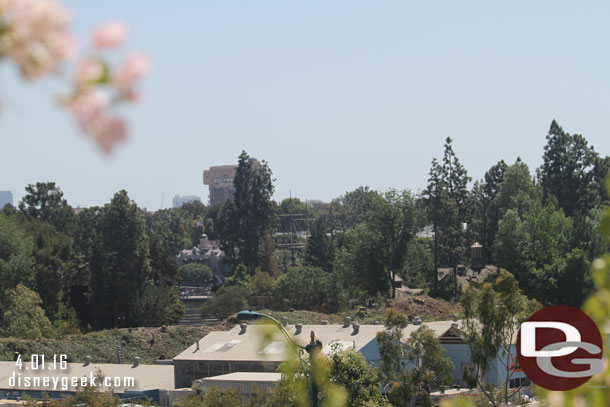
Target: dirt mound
{"x":428,"y":308}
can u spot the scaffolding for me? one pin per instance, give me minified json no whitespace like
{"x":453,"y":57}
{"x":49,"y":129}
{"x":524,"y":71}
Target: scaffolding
{"x":291,"y":245}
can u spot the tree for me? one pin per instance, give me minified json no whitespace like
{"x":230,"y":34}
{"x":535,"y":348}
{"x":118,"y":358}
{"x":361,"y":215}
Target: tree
{"x":435,"y":198}
{"x":309,"y":288}
{"x":320,"y":249}
{"x":164,"y":270}
{"x":45,"y":201}
{"x":571,"y":171}
{"x":518,"y":190}
{"x":361,"y":380}
{"x":394,"y":366}
{"x":486,"y":211}
{"x":411,"y":366}
{"x":227,"y":300}
{"x":155,"y":306}
{"x":262,"y":283}
{"x":239,"y":277}
{"x":23,"y":317}
{"x":348,"y":210}
{"x":169,"y":227}
{"x":419,"y":263}
{"x":511,"y":242}
{"x":229,"y":397}
{"x":120,"y":265}
{"x":492,"y":318}
{"x":195,"y":274}
{"x":448,"y":204}
{"x":392,"y":218}
{"x":16,"y":262}
{"x":54,"y":261}
{"x":566,"y":281}
{"x":269,"y":262}
{"x":433,"y":368}
{"x":287,"y":209}
{"x":359,"y":262}
{"x":228,"y":227}
{"x":251,"y":215}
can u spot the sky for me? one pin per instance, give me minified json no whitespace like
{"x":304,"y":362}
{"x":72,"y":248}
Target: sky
{"x":332,"y":94}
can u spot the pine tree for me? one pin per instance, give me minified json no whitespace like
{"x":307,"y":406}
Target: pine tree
{"x":251,"y":215}
{"x":320,"y":250}
{"x":120,"y":264}
{"x":448,"y":203}
{"x":572,"y":172}
{"x":486,"y":216}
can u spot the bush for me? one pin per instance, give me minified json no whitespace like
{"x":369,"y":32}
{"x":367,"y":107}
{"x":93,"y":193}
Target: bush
{"x":309,"y":288}
{"x":227,"y":300}
{"x":23,"y":317}
{"x":262,"y":283}
{"x":155,"y":306}
{"x":195,"y":274}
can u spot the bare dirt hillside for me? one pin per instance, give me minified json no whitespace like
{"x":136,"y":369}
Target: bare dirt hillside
{"x":428,"y":308}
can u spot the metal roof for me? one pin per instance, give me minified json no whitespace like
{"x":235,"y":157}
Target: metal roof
{"x":245,"y":377}
{"x":235,"y":345}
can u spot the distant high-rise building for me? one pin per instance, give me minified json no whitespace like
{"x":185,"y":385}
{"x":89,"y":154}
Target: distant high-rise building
{"x":178,"y":201}
{"x":220,"y":181}
{"x":5,"y":197}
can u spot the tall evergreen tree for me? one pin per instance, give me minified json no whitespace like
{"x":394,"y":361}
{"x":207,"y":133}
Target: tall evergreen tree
{"x":251,"y":215}
{"x":45,"y":201}
{"x":572,"y":171}
{"x":120,"y":264}
{"x":392,"y":217}
{"x":320,"y":249}
{"x":434,"y":199}
{"x":448,"y":203}
{"x":486,"y":213}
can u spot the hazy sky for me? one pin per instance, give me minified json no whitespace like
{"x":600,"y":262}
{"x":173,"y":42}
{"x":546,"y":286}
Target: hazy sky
{"x":333,"y":94}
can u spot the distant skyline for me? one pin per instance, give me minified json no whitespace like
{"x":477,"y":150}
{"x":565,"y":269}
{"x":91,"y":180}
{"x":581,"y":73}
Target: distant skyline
{"x":333,"y":95}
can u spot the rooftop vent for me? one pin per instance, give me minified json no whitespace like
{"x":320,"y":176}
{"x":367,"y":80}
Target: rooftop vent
{"x":298,"y":327}
{"x":347,"y":322}
{"x":136,"y":361}
{"x":243,"y":327}
{"x":356,"y":327}
{"x":87,"y":360}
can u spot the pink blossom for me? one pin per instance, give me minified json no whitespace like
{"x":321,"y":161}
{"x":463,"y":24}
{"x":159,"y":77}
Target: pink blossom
{"x":135,"y":66}
{"x":38,"y":39}
{"x":89,"y":70}
{"x":64,"y":45}
{"x":108,"y":132}
{"x":109,"y":34}
{"x":89,"y":111}
{"x":86,"y":107}
{"x":131,"y":95}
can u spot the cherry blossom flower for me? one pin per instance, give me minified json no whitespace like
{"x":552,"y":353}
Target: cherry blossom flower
{"x":109,"y":34}
{"x":90,"y":112}
{"x":38,"y":39}
{"x":35,"y":35}
{"x":135,"y":67}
